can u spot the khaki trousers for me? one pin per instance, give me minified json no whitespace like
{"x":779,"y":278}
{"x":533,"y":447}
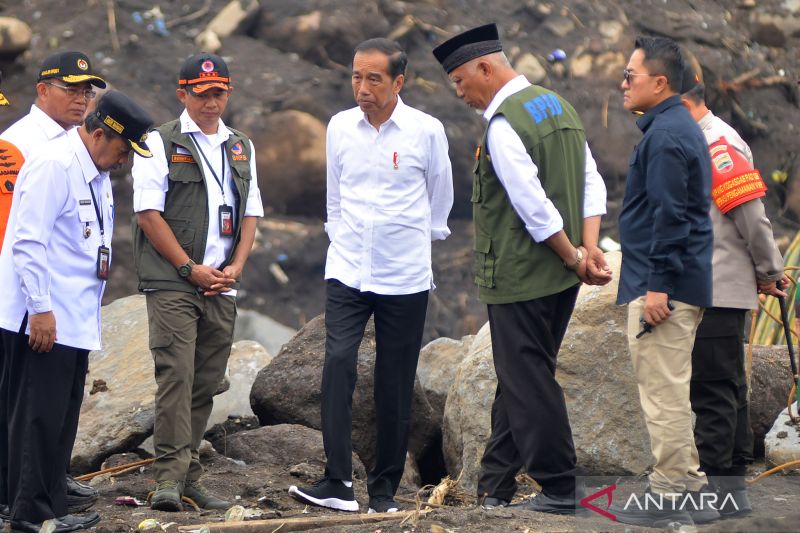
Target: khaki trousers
{"x":190,"y":339}
{"x":662,"y":363}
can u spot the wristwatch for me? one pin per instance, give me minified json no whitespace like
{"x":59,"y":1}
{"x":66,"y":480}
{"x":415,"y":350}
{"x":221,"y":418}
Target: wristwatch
{"x":185,"y":270}
{"x":578,"y":259}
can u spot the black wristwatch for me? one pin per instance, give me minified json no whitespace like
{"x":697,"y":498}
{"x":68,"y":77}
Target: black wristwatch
{"x":185,"y":270}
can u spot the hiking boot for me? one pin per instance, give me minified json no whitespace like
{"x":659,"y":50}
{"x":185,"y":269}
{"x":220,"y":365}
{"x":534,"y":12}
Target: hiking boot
{"x":545,"y":502}
{"x":703,"y":510}
{"x":383,"y":505}
{"x":168,"y":496}
{"x":80,"y":496}
{"x":734,"y":503}
{"x":330,"y":493}
{"x":203,"y":497}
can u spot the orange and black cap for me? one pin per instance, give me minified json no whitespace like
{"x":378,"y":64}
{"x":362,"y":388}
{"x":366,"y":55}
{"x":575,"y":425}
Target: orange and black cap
{"x":70,"y":67}
{"x":204,"y":71}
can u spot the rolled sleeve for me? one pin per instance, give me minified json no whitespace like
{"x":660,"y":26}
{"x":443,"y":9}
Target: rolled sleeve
{"x":520,"y":177}
{"x":150,"y":177}
{"x":439,"y":179}
{"x":254,"y":206}
{"x":594,"y":189}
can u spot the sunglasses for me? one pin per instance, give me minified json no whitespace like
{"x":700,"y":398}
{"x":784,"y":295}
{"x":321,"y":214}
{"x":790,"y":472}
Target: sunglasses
{"x":627,"y":75}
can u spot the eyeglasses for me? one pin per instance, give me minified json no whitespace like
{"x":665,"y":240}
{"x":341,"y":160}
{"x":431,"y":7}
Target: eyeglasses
{"x":74,"y":92}
{"x":627,"y":75}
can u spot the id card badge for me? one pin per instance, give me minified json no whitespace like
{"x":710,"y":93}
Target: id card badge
{"x":103,"y":262}
{"x":225,"y":221}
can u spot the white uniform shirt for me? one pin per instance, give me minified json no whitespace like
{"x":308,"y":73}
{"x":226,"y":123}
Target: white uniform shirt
{"x":48,"y":263}
{"x":32,"y":131}
{"x":389,"y":194}
{"x":520,"y":176}
{"x":150,"y":184}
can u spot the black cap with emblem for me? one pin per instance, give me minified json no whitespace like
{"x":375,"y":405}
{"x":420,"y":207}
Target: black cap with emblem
{"x":127,"y":118}
{"x":467,"y":46}
{"x":70,"y":67}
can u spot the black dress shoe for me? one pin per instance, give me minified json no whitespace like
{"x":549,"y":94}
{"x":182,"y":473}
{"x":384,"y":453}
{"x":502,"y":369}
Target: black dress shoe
{"x":550,"y":503}
{"x":64,"y":524}
{"x":80,"y":496}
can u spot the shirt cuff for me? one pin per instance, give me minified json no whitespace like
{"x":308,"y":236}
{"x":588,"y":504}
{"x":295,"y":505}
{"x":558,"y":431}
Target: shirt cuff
{"x":330,"y":229}
{"x":595,"y":210}
{"x":542,"y":233}
{"x":660,"y":283}
{"x":440,"y":234}
{"x":148,"y":199}
{"x":38,"y":304}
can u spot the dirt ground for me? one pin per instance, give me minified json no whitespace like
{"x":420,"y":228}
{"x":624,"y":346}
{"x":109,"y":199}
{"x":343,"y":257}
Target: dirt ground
{"x":776,"y":501}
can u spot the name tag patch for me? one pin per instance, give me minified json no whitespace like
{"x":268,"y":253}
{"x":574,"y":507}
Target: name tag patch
{"x":182,"y":158}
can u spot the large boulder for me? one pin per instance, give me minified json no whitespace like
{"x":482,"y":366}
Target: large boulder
{"x":117,"y":414}
{"x":15,"y":37}
{"x":291,"y":162}
{"x":770,"y":382}
{"x":246,"y":360}
{"x":291,"y":447}
{"x":438,"y":363}
{"x":288,"y":392}
{"x":269,"y":333}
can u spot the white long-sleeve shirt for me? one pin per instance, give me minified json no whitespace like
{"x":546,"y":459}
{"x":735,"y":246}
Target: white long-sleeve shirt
{"x":390,"y":191}
{"x":48,"y":261}
{"x":520,"y":175}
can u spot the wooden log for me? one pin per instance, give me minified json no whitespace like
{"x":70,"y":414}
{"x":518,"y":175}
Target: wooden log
{"x":301,"y":524}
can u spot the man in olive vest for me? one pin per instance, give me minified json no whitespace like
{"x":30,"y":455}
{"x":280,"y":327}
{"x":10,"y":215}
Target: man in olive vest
{"x":537,"y":203}
{"x":196,"y":202}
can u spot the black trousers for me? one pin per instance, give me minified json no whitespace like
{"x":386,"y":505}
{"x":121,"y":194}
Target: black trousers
{"x":399,"y":321}
{"x":530,"y":427}
{"x":45,"y":392}
{"x":722,"y":432}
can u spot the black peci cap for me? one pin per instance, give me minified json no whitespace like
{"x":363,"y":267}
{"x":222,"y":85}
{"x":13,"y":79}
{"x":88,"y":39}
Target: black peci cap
{"x":70,"y":67}
{"x":127,"y":118}
{"x":205,"y":71}
{"x":467,"y":46}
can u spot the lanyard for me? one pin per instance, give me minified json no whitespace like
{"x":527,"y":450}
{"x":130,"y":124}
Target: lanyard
{"x":99,"y":213}
{"x":219,"y":181}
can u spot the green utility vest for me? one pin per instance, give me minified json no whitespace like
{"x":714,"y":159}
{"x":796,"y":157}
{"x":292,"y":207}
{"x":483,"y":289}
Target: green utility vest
{"x":509,"y":265}
{"x":186,"y":207}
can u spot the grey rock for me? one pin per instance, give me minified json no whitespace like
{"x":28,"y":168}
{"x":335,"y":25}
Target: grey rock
{"x":528,"y":65}
{"x":558,"y":25}
{"x":246,"y":360}
{"x":438,"y":362}
{"x":288,"y":392}
{"x":782,"y":443}
{"x":15,"y":36}
{"x":297,"y":449}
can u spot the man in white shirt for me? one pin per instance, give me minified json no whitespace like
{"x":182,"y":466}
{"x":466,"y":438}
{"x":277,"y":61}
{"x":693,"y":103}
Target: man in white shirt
{"x":55,"y":263}
{"x":66,"y":83}
{"x":196,"y":203}
{"x":537,"y":203}
{"x":390,"y":190}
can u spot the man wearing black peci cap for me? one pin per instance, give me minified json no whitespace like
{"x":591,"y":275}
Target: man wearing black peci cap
{"x":65,"y":85}
{"x":196,"y":203}
{"x":55,"y":264}
{"x":537,"y":203}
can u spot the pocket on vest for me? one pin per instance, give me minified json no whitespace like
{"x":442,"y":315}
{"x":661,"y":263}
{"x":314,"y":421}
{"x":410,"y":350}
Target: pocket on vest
{"x":484,"y":261}
{"x":184,"y":234}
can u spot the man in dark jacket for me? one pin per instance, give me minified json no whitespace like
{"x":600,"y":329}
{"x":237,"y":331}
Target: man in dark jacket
{"x":665,"y":278}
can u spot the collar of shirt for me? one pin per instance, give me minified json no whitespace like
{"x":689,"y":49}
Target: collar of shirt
{"x":50,"y":127}
{"x":88,"y":168}
{"x":190,"y":126}
{"x":513,"y":86}
{"x":706,"y":121}
{"x":645,"y":120}
{"x":400,"y":117}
